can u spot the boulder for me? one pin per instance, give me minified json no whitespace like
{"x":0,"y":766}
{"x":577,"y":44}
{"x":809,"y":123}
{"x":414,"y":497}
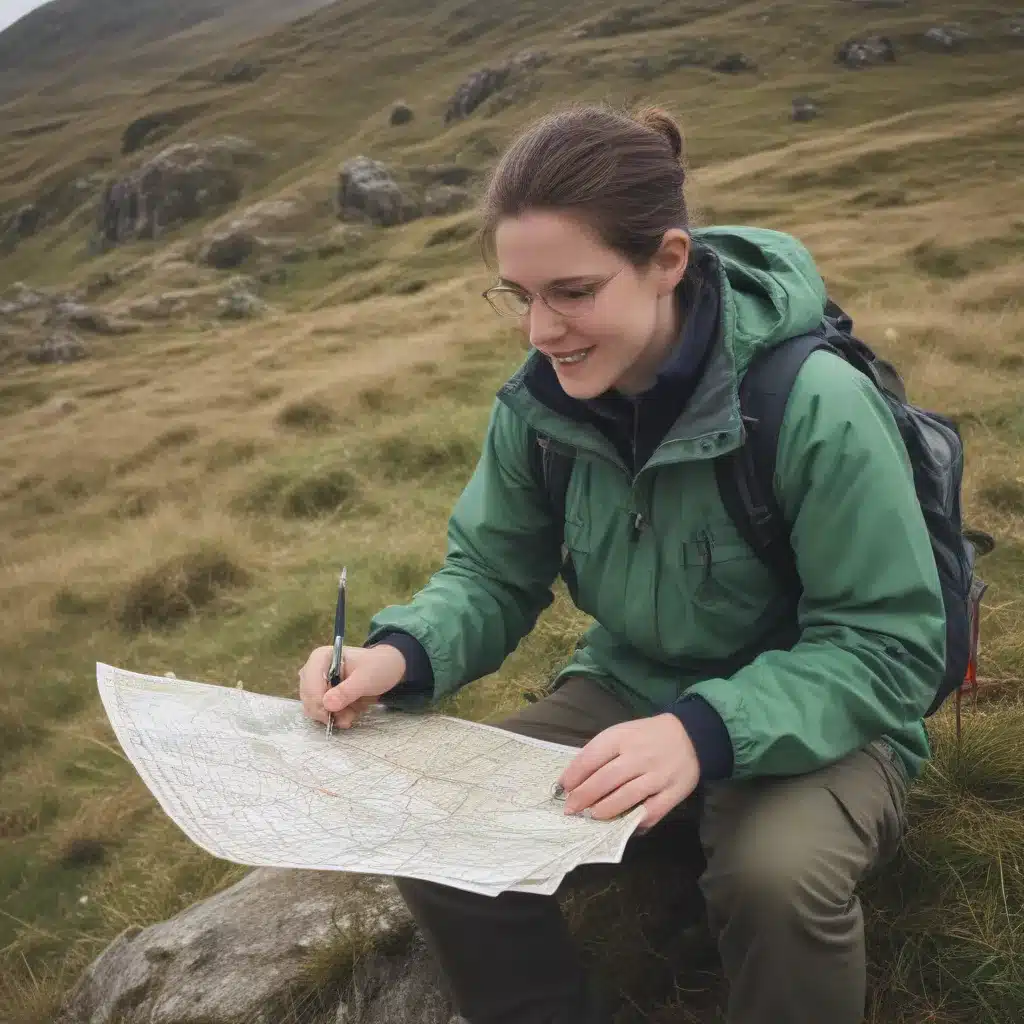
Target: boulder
{"x":60,"y":346}
{"x":86,"y":318}
{"x":229,"y":249}
{"x":402,"y":984}
{"x":282,"y":938}
{"x":734,"y":63}
{"x":479,"y":86}
{"x":946,"y":37}
{"x":866,"y":51}
{"x":179,"y":184}
{"x":804,"y":109}
{"x":21,"y":298}
{"x":236,"y":957}
{"x":367,"y":190}
{"x":239,"y":301}
{"x":26,"y":219}
{"x":401,"y":113}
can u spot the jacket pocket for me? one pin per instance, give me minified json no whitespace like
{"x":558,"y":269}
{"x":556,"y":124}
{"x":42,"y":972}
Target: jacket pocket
{"x":725,"y":577}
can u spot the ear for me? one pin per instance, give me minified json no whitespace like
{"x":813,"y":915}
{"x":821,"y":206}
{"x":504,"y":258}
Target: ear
{"x":671,"y":260}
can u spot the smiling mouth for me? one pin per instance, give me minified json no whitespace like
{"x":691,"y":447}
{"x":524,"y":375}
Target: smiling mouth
{"x":571,"y":358}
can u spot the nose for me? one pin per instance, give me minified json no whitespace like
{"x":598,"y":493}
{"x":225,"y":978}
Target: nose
{"x":546,"y":326}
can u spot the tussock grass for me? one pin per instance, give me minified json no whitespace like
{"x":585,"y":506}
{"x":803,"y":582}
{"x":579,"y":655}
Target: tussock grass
{"x":188,"y":511}
{"x":182,"y":586}
{"x":307,"y":495}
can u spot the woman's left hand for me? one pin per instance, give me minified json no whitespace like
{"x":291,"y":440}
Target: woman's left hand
{"x":650,"y":761}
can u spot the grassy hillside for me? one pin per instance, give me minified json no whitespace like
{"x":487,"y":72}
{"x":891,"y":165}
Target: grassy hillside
{"x":64,"y":43}
{"x":180,"y":500}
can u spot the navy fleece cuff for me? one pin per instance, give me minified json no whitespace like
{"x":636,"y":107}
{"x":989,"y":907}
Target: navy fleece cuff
{"x":418,"y":682}
{"x":709,"y":736}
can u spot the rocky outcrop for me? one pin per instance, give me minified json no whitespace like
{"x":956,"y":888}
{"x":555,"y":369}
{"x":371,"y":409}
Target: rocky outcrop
{"x":481,"y":85}
{"x":179,"y":184}
{"x":866,"y":51}
{"x":61,"y":346}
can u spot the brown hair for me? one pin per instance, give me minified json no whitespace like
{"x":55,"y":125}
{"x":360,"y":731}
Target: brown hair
{"x":623,"y":174}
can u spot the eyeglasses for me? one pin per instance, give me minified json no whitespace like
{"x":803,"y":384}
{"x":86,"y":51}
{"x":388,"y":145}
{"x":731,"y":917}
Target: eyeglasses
{"x":566,"y":300}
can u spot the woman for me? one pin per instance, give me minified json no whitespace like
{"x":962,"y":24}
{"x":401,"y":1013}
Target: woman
{"x":799,"y":759}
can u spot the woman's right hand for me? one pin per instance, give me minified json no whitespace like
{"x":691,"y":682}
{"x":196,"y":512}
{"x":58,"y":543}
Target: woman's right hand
{"x":368,"y":673}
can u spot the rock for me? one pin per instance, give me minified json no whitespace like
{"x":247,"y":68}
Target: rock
{"x":26,"y":220}
{"x":366,"y":189}
{"x":60,"y":346}
{"x":270,"y":941}
{"x":239,"y":302}
{"x":483,"y":84}
{"x":179,"y":184}
{"x":479,"y":86}
{"x":946,"y":37}
{"x":242,"y":71}
{"x":401,"y":113}
{"x":80,"y":315}
{"x":734,"y":63}
{"x":236,"y":957}
{"x":229,"y":249}
{"x":444,"y":199}
{"x":804,"y":109}
{"x":21,"y":298}
{"x":152,"y":127}
{"x":404,"y":985}
{"x":866,"y":51}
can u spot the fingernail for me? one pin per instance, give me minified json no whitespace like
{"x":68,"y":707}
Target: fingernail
{"x":558,"y":791}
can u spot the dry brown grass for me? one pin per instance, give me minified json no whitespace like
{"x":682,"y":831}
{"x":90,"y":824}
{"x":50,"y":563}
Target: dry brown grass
{"x":254,"y":457}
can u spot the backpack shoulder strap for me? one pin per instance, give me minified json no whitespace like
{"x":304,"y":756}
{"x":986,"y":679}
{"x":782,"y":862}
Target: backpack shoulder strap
{"x":746,"y":477}
{"x":551,"y":469}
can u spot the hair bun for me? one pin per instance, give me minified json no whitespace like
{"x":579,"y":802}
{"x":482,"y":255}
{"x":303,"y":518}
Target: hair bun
{"x":664,"y":124}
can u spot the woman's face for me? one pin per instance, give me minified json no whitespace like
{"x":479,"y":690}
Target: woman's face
{"x":612,"y":322}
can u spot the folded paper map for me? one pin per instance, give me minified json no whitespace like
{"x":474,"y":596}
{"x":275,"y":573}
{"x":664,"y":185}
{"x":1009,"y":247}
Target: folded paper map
{"x":250,"y":779}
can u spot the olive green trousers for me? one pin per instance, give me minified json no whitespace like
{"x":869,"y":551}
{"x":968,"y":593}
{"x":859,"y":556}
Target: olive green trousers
{"x":783,"y":859}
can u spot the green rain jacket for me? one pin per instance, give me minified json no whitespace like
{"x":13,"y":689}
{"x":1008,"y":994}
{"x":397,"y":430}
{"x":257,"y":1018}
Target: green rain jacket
{"x":687,"y":592}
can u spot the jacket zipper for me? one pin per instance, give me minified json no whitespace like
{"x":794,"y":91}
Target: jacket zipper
{"x":638,"y":521}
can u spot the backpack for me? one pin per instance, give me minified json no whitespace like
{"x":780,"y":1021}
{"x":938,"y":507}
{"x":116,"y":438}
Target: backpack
{"x":745,"y":483}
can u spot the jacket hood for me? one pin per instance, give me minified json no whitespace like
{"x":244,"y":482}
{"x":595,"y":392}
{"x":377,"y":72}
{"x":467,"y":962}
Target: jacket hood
{"x":772,"y":292}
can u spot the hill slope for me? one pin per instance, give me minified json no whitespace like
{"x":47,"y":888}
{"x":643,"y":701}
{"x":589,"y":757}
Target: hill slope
{"x":65,"y":41}
{"x":175,"y":500}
